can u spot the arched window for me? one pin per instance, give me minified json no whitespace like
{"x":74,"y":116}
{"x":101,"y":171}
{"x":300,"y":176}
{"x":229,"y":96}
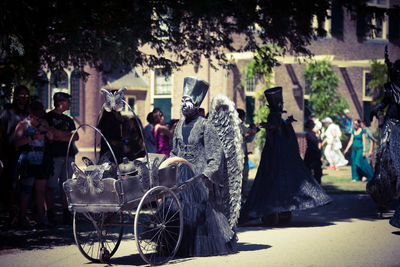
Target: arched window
{"x":58,"y":83}
{"x":75,"y":92}
{"x":42,"y":89}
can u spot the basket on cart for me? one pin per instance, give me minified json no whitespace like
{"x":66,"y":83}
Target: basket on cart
{"x":106,"y":197}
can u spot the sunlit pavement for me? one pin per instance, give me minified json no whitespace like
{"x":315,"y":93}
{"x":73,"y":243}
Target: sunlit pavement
{"x":346,"y":232}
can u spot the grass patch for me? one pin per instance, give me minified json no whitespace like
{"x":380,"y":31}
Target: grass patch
{"x":340,"y":182}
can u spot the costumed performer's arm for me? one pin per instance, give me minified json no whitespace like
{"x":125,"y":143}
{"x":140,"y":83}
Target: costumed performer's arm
{"x":174,"y":150}
{"x":214,"y":152}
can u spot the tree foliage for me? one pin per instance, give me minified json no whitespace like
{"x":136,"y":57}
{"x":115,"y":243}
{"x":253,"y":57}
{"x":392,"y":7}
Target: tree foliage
{"x":261,"y":66}
{"x":379,"y":76}
{"x":69,"y":33}
{"x":322,"y":83}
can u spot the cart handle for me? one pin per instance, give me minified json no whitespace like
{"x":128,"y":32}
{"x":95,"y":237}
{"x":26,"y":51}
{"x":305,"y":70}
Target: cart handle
{"x":193,"y":180}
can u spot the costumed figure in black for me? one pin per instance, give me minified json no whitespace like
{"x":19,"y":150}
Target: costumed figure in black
{"x":385,"y":184}
{"x":211,"y":205}
{"x":283,"y":183}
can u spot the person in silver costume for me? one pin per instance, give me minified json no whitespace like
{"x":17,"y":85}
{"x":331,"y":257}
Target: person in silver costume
{"x":206,"y":228}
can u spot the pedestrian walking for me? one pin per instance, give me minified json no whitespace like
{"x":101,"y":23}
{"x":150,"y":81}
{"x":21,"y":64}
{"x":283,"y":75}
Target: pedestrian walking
{"x":333,"y":145}
{"x":370,"y":142}
{"x":283,"y":183}
{"x":359,"y":163}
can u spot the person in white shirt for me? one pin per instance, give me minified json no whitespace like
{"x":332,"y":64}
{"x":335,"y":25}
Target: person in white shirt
{"x":333,"y":145}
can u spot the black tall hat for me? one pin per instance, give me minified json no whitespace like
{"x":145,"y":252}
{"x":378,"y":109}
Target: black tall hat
{"x":274,"y":98}
{"x":196,"y":88}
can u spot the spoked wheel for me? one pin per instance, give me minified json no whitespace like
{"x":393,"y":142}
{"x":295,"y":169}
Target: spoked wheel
{"x":158,"y":225}
{"x":98,"y":235}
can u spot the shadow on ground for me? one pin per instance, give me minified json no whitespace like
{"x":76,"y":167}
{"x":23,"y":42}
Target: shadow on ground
{"x":344,"y":207}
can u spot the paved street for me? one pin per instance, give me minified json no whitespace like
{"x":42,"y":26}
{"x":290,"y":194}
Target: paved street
{"x":344,"y":233}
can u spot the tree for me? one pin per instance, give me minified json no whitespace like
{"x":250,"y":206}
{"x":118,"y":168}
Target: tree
{"x":322,"y":83}
{"x":69,"y":33}
{"x":261,"y":66}
{"x":379,"y":76}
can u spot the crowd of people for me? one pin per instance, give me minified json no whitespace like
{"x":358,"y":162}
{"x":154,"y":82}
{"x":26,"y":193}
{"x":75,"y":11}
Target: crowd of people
{"x":325,"y":145}
{"x":34,"y":167}
{"x":37,"y":144}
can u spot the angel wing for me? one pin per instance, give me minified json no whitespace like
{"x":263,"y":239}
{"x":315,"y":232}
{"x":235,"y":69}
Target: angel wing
{"x":225,"y":119}
{"x":113,"y":101}
{"x":79,"y":178}
{"x":91,"y":181}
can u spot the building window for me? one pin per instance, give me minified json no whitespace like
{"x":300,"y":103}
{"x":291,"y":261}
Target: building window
{"x":326,"y":24}
{"x":42,"y":87}
{"x":379,"y":30}
{"x":367,"y":105}
{"x":250,"y":106}
{"x":250,"y":99}
{"x":162,"y":93}
{"x":382,"y":3}
{"x":250,"y":85}
{"x":163,"y":83}
{"x":367,"y":91}
{"x":75,"y":93}
{"x":131,"y":102}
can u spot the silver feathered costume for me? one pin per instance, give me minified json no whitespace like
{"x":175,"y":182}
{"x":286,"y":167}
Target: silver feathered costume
{"x":212,"y":146}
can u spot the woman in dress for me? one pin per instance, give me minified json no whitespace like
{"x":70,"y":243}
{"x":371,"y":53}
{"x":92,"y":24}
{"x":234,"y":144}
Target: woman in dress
{"x":333,"y":145}
{"x":283,"y":183}
{"x":162,"y":133}
{"x":359,"y":163}
{"x":33,"y":168}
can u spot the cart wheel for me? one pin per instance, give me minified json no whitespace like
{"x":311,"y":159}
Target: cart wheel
{"x":98,"y":235}
{"x":158,"y":225}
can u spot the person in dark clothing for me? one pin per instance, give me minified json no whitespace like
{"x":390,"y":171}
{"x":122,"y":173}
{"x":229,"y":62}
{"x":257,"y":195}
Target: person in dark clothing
{"x":248,"y":136}
{"x":150,"y":142}
{"x":9,"y":118}
{"x":385,"y":183}
{"x":312,"y":158}
{"x":33,"y":165}
{"x":110,"y":125}
{"x":62,"y":128}
{"x":283,"y":183}
{"x":133,"y":146}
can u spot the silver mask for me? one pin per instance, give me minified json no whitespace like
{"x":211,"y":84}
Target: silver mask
{"x":188,"y":107}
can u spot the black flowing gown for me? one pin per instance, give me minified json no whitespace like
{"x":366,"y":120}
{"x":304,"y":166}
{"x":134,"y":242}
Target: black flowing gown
{"x":395,"y":220}
{"x":385,"y":184}
{"x":283,"y":182}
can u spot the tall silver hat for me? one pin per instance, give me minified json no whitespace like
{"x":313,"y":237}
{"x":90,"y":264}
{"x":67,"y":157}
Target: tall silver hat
{"x":196,"y":88}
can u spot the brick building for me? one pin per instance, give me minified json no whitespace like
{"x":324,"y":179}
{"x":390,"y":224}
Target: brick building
{"x":347,"y":46}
